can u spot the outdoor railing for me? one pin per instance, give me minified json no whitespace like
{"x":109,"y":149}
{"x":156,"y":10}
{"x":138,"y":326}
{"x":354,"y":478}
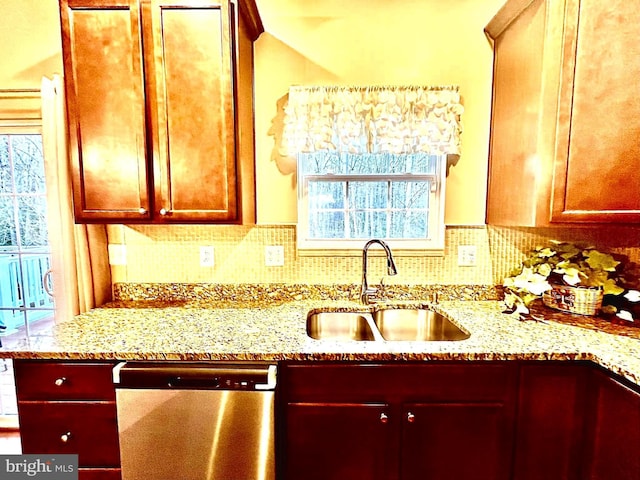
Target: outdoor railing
{"x":16,"y":296}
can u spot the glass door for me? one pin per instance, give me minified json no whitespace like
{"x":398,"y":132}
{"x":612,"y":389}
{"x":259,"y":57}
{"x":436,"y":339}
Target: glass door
{"x":26,"y":297}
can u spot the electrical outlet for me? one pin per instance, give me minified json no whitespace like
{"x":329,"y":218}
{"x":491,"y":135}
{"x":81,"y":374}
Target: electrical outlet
{"x":274,"y":256}
{"x":467,"y":255}
{"x":117,"y":254}
{"x":207,"y":258}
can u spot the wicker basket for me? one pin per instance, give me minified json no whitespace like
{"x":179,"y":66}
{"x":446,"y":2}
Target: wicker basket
{"x":580,"y":300}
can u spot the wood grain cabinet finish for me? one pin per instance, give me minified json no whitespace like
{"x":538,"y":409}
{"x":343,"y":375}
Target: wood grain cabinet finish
{"x":614,"y":430}
{"x":553,"y":406}
{"x":69,"y":408}
{"x":565,"y":125}
{"x":397,"y":421}
{"x":160,"y":109}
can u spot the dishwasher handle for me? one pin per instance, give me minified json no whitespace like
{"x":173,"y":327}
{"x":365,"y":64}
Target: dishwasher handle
{"x":195,"y":375}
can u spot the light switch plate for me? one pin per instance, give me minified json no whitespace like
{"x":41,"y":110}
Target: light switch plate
{"x":207,"y":257}
{"x":274,"y":256}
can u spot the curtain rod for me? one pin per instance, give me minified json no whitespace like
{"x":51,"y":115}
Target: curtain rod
{"x":19,"y":90}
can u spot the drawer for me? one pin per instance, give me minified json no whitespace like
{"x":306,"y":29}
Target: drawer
{"x":88,"y":429}
{"x":37,"y":380}
{"x":433,"y":382}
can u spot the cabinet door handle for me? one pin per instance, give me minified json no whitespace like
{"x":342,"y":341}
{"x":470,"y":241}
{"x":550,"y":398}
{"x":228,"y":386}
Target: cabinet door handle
{"x":142,"y":211}
{"x":163,"y":211}
{"x":60,"y":381}
{"x":411,"y":418}
{"x":65,"y":437}
{"x":384,"y":418}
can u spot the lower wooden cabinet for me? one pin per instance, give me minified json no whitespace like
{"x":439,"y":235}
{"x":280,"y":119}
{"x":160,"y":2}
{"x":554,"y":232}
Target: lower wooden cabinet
{"x":382,"y":421}
{"x":553,"y":404}
{"x":69,"y":408}
{"x":456,"y":441}
{"x":614,"y":430}
{"x":88,"y":429}
{"x":338,"y":440}
{"x":407,"y":421}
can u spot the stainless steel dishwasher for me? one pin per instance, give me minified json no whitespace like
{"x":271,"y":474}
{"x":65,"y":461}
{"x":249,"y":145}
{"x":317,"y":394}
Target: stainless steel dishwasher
{"x":196,"y":421}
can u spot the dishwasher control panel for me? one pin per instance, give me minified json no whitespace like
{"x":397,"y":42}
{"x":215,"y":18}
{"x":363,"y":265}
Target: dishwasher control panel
{"x":195,"y":375}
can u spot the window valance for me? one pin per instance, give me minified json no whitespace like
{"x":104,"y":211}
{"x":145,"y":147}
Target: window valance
{"x":375,"y":119}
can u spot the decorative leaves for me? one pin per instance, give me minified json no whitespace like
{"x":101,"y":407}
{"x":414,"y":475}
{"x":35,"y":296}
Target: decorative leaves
{"x":600,"y":261}
{"x":568,"y":264}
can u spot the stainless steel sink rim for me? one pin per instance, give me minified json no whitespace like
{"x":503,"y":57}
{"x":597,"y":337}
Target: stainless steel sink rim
{"x":385,"y":324}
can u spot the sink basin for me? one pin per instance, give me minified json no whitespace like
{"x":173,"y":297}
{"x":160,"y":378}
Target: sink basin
{"x":416,"y":325}
{"x":339,"y":326}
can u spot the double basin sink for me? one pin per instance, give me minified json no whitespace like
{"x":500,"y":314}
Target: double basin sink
{"x":384,"y":324}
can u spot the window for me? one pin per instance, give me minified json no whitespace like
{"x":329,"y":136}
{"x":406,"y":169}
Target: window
{"x":25,"y":257}
{"x":347,"y":198}
{"x":371,"y":163}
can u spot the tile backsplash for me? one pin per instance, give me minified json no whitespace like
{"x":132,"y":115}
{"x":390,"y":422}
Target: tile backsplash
{"x":159,"y":254}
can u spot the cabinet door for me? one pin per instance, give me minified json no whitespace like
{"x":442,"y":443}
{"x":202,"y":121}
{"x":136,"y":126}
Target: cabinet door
{"x":189,"y":66}
{"x":615,"y":434}
{"x":338,"y":441}
{"x":597,"y":176}
{"x":456,"y":441}
{"x":550,"y":425}
{"x":104,"y":86}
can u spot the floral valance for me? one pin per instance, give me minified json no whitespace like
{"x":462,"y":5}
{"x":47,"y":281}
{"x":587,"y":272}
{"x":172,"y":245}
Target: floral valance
{"x":372,"y":120}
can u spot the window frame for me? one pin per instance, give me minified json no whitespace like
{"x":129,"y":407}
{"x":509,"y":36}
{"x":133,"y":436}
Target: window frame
{"x":433,"y":245}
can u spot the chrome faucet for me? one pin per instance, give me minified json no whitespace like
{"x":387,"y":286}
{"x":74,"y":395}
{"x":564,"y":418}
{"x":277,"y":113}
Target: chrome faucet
{"x":367,"y":292}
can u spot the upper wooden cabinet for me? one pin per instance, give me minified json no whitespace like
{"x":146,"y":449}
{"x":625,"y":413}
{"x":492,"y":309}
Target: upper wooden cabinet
{"x":160,"y":109}
{"x":565,"y":126}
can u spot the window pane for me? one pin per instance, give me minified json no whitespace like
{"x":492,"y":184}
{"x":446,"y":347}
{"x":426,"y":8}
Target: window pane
{"x":367,"y":164}
{"x":33,"y":221}
{"x":326,"y":224}
{"x":324,"y":195}
{"x":7,"y":224}
{"x":321,"y":162}
{"x":368,"y":224}
{"x":26,"y":152}
{"x":407,"y":195}
{"x":368,"y":195}
{"x":34,"y":268}
{"x":414,"y":163}
{"x":408,"y":225}
{"x":5,"y":169}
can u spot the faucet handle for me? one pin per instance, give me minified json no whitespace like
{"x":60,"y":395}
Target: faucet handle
{"x":368,"y":294}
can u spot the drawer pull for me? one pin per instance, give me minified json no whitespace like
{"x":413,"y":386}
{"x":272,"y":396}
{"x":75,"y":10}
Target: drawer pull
{"x":60,"y":381}
{"x":384,"y":418}
{"x":65,"y":437}
{"x":411,"y":418}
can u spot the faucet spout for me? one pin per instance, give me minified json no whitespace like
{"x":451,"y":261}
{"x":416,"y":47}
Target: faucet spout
{"x":367,"y":292}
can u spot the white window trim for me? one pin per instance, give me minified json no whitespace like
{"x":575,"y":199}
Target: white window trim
{"x":433,"y":246}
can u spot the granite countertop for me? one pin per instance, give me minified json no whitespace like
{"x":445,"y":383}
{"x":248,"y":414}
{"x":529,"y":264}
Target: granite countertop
{"x":228,"y":330}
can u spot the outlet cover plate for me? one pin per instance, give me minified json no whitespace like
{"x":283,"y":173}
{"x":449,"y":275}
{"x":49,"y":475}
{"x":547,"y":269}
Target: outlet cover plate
{"x":467,"y":256}
{"x":274,"y":256}
{"x":207,"y":258}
